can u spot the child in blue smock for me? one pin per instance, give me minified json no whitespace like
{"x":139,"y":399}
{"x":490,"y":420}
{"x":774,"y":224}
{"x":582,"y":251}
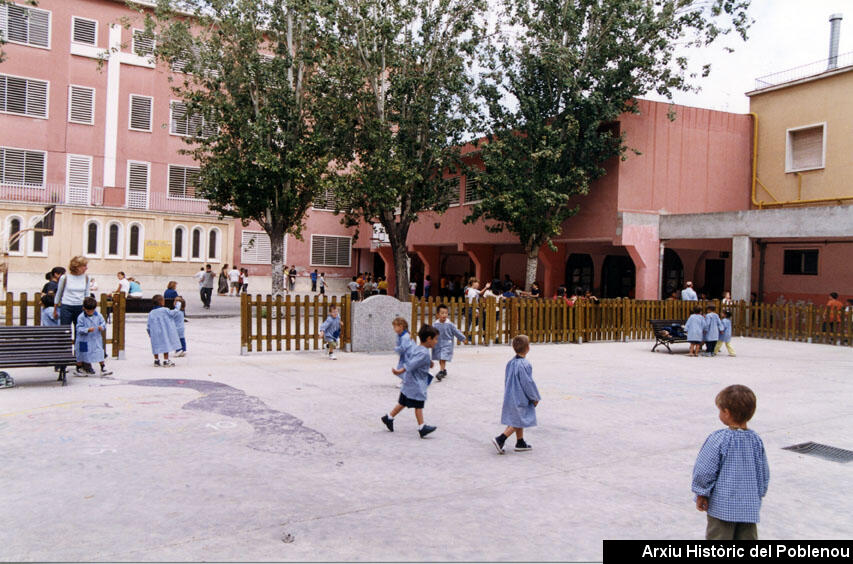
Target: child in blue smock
{"x":162,"y":332}
{"x":447,"y":335}
{"x":731,"y":474}
{"x":89,"y":344}
{"x":695,"y":327}
{"x":713,"y":328}
{"x":521,"y":396}
{"x":416,"y":378}
{"x":177,"y":314}
{"x":49,"y":317}
{"x":330,"y":330}
{"x":726,"y":335}
{"x":404,"y":342}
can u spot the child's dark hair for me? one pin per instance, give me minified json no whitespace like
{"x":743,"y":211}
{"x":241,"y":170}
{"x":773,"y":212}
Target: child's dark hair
{"x":710,"y":308}
{"x":520,"y":343}
{"x":441,"y":307}
{"x":725,"y":313}
{"x":833,"y":295}
{"x":158,"y":299}
{"x":47,"y":300}
{"x":401,"y":322}
{"x":90,"y":303}
{"x":426,"y":332}
{"x":333,"y":307}
{"x":697,"y":309}
{"x":739,"y":400}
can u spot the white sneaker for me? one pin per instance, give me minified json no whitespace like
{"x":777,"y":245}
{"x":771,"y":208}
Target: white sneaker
{"x":333,"y":357}
{"x":181,"y":353}
{"x":168,"y":363}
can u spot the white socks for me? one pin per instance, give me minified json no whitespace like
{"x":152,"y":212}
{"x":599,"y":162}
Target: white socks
{"x":421,"y":426}
{"x":391,"y":417}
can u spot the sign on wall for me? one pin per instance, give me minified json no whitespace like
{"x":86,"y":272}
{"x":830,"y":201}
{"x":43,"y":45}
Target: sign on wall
{"x":159,"y":251}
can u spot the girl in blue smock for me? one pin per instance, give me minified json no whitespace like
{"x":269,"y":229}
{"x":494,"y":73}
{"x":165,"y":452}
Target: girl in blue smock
{"x":162,"y":332}
{"x":404,"y":341}
{"x":713,"y":328}
{"x":177,"y":313}
{"x":521,"y":396}
{"x":695,"y":327}
{"x":416,"y":378}
{"x":726,"y":335}
{"x":447,"y":335}
{"x":48,"y":316}
{"x":89,"y":344}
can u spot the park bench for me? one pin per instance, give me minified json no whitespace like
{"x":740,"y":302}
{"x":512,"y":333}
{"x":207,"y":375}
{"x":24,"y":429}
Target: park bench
{"x":144,"y":305}
{"x":663,"y":334}
{"x":22,"y":347}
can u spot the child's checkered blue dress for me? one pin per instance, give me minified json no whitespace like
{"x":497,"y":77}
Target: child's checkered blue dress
{"x":732,"y":471}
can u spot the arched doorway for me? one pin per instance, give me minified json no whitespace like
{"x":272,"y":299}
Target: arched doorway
{"x":673,"y":273}
{"x":618,"y":276}
{"x":580,"y":272}
{"x":378,"y":265}
{"x":416,"y":272}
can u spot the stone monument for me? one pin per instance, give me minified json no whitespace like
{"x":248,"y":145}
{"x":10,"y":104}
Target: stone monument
{"x":371,"y":323}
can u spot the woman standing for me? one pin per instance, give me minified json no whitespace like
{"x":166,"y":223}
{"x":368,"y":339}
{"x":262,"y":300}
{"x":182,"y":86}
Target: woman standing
{"x":223,"y":280}
{"x":72,"y":289}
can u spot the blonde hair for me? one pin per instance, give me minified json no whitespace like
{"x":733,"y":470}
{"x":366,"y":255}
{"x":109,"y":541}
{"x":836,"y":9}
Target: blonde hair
{"x":76,"y":263}
{"x":400,"y":322}
{"x":172,"y":285}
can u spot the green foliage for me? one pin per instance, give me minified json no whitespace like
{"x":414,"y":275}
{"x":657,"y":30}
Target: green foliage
{"x":555,"y":90}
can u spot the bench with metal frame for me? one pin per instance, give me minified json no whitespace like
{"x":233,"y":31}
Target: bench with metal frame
{"x":24,"y":347}
{"x":661,"y":325}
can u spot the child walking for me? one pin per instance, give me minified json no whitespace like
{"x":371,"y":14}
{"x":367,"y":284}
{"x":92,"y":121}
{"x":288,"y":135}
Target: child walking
{"x":521,"y":396}
{"x":405,"y":343}
{"x":322,"y":283}
{"x":89,"y":344}
{"x":416,"y":378}
{"x":177,"y":314}
{"x":162,"y":332}
{"x":330,"y":330}
{"x":726,"y":335}
{"x":713,"y":328}
{"x":695,"y":327}
{"x":49,"y":315}
{"x":731,"y":473}
{"x":447,"y":335}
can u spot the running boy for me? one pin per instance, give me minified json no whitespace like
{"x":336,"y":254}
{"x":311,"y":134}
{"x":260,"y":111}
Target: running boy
{"x":89,"y":344}
{"x":695,"y":327}
{"x":713,"y":327}
{"x":731,"y":473}
{"x":521,"y":396}
{"x":416,"y":377}
{"x":161,"y":331}
{"x":726,"y":335}
{"x":330,"y":330}
{"x":447,"y":335}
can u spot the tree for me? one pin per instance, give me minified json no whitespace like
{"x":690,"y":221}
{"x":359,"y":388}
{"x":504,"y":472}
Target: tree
{"x":555,"y":91}
{"x":254,"y":105}
{"x":406,"y":87}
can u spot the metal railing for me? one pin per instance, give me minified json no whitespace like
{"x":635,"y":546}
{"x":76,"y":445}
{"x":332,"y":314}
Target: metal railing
{"x":804,"y":71}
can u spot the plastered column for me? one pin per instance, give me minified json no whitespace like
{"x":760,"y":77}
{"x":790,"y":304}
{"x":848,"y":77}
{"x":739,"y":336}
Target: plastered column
{"x":741,"y":267}
{"x":387,"y":257}
{"x":430,"y":256}
{"x":554,"y":268}
{"x":484,"y":260}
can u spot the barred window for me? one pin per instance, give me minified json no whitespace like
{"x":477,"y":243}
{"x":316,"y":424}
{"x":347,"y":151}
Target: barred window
{"x":141,"y":109}
{"x":84,"y":31}
{"x":143,"y":43}
{"x":183,"y":123}
{"x":328,"y":250}
{"x":453,"y":186}
{"x":183,"y":182}
{"x":18,"y":166}
{"x":81,"y":105}
{"x":255,"y":248}
{"x":21,"y":24}
{"x":326,"y":200}
{"x":137,"y":185}
{"x":473,"y":192}
{"x":23,"y":96}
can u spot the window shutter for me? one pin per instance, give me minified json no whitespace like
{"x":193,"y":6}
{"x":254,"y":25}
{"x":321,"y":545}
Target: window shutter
{"x":22,"y":167}
{"x":807,"y":148}
{"x":23,"y":96}
{"x":39,"y":27}
{"x":143,"y":43}
{"x":179,"y":123}
{"x":183,"y":181}
{"x":327,"y":250}
{"x":255,"y":248}
{"x":82,"y":105}
{"x":34,"y":168}
{"x":84,"y":31}
{"x":472,"y":190}
{"x":137,"y":186}
{"x":140,"y":113}
{"x":25,"y":25}
{"x":79,"y":179}
{"x":454,"y":188}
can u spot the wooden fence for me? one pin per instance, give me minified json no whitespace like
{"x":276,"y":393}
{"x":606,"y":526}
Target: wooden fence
{"x":290,"y":322}
{"x":25,"y":311}
{"x":294,"y":322}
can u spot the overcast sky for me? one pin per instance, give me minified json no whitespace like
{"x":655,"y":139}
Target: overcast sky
{"x":786,"y":34}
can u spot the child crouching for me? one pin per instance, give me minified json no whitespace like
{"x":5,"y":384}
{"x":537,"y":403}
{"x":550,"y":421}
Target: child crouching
{"x":89,"y":345}
{"x":521,"y":396}
{"x":161,"y":331}
{"x":416,"y":378}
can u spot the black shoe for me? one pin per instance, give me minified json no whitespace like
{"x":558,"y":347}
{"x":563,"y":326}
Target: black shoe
{"x":426,"y":430}
{"x":388,"y":422}
{"x":441,"y":374}
{"x":499,"y":443}
{"x":521,"y":446}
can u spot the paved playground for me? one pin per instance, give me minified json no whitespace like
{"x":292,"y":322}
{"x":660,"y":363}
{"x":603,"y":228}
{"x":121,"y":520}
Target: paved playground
{"x":282,"y":456}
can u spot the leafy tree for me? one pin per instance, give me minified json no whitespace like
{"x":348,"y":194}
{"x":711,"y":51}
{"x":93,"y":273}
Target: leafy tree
{"x":255,"y":105}
{"x":406,"y":89}
{"x":555,"y":91}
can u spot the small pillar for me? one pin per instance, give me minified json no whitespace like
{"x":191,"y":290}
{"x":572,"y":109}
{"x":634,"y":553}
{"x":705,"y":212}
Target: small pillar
{"x":741,"y":268}
{"x":554,"y":268}
{"x":387,"y":256}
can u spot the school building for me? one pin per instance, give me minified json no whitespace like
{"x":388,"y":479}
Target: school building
{"x":747,"y":203}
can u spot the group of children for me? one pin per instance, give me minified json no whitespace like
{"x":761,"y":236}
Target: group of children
{"x":88,"y":330}
{"x":166,"y":330}
{"x":711,"y":329}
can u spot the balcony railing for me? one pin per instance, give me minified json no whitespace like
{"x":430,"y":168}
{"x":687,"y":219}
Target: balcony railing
{"x":804,"y":71}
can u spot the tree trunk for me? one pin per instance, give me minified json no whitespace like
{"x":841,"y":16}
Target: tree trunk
{"x":532,"y":265}
{"x":277,"y":235}
{"x":401,"y":271}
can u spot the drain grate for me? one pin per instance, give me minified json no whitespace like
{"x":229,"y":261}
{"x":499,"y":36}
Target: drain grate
{"x":822,"y":451}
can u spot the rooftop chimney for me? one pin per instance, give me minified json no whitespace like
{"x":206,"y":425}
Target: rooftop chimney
{"x":834,"y":33}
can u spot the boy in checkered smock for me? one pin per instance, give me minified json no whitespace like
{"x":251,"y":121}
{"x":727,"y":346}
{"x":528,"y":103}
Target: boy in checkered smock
{"x":731,"y":474}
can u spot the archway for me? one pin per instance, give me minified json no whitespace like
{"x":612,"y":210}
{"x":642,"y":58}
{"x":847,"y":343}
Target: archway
{"x":580,"y":272}
{"x":673,"y":273}
{"x":618,"y":276}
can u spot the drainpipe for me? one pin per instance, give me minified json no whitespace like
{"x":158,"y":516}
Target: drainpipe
{"x":834,"y":36}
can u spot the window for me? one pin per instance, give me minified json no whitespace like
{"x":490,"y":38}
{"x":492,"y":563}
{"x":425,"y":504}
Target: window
{"x":806,"y":148}
{"x":325,"y":200}
{"x":81,"y":105}
{"x":18,"y":166}
{"x":183,"y":181}
{"x":113,"y":240}
{"x":23,"y":96}
{"x":800,"y":261}
{"x":84,"y":31}
{"x":180,"y":64}
{"x":327,"y":250}
{"x":140,"y":112}
{"x":472,"y":190}
{"x":453,"y":186}
{"x":38,"y":246}
{"x":91,"y":233}
{"x":178,"y":247}
{"x":134,"y":241}
{"x":20,"y":24}
{"x":195,"y":247}
{"x":255,"y":248}
{"x":182,"y":123}
{"x":137,"y":185}
{"x":143,"y":43}
{"x":14,"y":228}
{"x":78,"y":179}
{"x":213,"y":244}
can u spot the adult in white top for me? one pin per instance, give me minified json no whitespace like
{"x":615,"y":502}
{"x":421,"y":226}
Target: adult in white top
{"x":123,"y":283}
{"x":234,"y":279}
{"x":688,"y":294}
{"x":473,"y":294}
{"x":73,"y":288}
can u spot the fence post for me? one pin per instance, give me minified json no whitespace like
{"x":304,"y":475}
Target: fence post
{"x":10,"y":307}
{"x":104,"y":334}
{"x":37,"y":309}
{"x":119,"y":323}
{"x":22,"y":309}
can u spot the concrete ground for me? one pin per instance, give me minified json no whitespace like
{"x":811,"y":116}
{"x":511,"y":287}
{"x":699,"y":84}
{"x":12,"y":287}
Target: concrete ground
{"x":282,"y":456}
